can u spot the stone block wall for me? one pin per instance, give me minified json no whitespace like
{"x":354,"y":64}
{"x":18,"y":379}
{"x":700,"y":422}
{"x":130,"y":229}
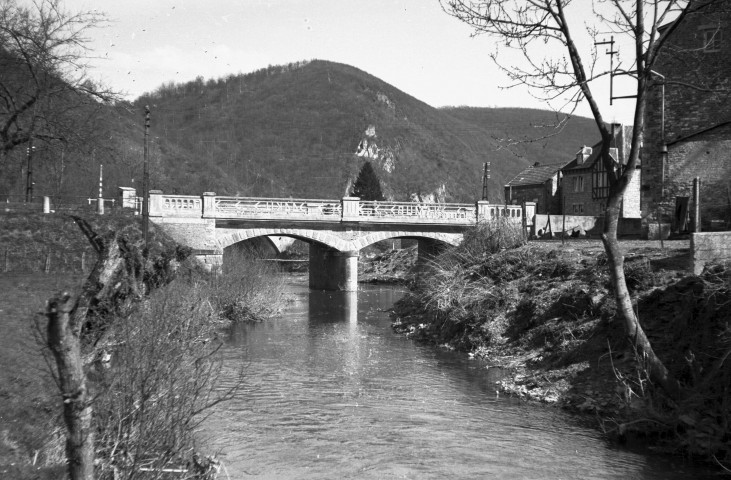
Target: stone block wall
{"x":709,"y":247}
{"x":196,"y":233}
{"x":687,"y":110}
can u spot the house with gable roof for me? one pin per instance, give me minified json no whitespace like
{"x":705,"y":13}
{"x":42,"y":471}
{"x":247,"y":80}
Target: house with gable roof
{"x":585,"y":187}
{"x":540,"y":184}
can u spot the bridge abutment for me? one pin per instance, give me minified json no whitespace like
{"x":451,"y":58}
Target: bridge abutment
{"x":333,"y":270}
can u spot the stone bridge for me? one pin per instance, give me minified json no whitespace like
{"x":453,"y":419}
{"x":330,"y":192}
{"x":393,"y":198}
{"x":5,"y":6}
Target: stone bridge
{"x":216,"y":227}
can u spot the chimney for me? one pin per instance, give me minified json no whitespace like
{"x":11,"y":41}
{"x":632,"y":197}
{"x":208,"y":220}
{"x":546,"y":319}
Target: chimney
{"x":582,"y":155}
{"x":618,"y":148}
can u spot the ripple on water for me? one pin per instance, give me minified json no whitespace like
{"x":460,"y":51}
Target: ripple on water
{"x":331,"y":392}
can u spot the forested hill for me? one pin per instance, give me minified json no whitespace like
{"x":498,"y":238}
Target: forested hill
{"x":304,"y":130}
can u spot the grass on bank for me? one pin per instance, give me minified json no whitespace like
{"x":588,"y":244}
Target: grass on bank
{"x":546,"y":312}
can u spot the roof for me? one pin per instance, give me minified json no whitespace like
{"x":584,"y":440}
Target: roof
{"x":588,"y":163}
{"x":699,"y":132}
{"x":535,"y":175}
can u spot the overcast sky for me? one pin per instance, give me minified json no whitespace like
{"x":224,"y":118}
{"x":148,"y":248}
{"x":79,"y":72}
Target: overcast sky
{"x":411,"y":44}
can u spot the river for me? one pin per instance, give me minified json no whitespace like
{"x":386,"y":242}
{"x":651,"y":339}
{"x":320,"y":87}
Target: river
{"x":332,"y":392}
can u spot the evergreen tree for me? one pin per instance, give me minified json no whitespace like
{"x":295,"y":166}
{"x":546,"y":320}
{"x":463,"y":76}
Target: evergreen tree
{"x":367,"y":186}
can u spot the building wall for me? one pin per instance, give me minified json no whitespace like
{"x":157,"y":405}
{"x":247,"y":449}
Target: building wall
{"x":579,"y":203}
{"x":528,"y":193}
{"x":687,"y":110}
{"x":708,"y":157}
{"x":631,"y":200}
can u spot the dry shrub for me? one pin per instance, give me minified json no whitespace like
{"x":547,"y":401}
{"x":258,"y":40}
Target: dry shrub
{"x":489,"y":237}
{"x":638,"y":274}
{"x":248,"y":289}
{"x":162,"y":380}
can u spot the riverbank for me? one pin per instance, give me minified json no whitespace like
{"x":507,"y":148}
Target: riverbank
{"x":544,"y":317}
{"x":162,"y":299}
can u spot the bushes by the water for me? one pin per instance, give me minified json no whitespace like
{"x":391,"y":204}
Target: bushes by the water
{"x":247,"y":289}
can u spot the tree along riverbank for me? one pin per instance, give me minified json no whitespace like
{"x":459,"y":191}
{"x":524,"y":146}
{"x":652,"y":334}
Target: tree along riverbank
{"x":148,"y":332}
{"x":543,"y":314}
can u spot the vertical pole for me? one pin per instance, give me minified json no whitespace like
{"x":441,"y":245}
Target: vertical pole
{"x":524,"y":222}
{"x":100,"y":200}
{"x":485,"y":178}
{"x":697,"y":204}
{"x":29,"y":173}
{"x":611,"y":69}
{"x":563,"y":228}
{"x":145,"y":181}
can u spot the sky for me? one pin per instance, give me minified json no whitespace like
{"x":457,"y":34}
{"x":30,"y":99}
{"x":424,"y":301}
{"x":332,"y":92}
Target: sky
{"x":411,"y":44}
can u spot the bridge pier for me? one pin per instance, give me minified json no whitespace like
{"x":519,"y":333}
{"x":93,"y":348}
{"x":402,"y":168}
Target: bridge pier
{"x":333,"y":270}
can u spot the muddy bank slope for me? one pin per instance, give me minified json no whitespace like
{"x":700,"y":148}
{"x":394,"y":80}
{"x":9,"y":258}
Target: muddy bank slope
{"x":545,"y":315}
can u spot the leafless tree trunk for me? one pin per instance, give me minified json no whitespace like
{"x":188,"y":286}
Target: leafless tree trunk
{"x":65,"y":343}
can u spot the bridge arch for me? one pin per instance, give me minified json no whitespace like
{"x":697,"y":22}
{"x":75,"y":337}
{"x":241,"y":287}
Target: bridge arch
{"x":356,"y":242}
{"x":452,"y":239}
{"x":310,"y":236}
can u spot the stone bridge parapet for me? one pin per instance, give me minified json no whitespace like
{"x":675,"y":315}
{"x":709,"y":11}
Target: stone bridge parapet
{"x":338,"y":229}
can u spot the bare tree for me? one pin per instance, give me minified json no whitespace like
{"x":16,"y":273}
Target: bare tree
{"x":534,"y":27}
{"x":44,"y":82}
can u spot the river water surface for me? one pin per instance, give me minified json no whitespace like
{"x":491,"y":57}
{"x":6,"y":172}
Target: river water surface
{"x":332,"y":392}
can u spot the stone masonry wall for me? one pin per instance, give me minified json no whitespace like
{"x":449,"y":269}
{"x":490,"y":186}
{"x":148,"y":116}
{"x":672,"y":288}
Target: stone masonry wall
{"x":687,"y":110}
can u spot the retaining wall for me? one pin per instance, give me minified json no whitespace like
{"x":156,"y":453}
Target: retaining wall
{"x":708,"y":247}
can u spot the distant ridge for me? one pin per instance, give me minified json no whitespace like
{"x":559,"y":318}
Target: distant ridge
{"x":304,"y":129}
{"x":299,"y":130}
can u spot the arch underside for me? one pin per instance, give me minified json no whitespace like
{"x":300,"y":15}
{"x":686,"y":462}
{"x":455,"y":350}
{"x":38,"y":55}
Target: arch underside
{"x":340,"y":241}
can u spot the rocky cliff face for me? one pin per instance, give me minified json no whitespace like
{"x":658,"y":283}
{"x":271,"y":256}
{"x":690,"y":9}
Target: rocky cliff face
{"x":381,"y":155}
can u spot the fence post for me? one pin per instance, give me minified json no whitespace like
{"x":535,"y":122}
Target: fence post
{"x":47,"y":267}
{"x":7,"y":261}
{"x":563,"y":227}
{"x":697,"y":205}
{"x":524,"y":221}
{"x":46,"y":204}
{"x":83,"y":262}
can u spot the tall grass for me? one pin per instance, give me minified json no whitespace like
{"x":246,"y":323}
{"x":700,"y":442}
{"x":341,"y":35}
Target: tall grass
{"x":248,"y":289}
{"x":459,"y":292}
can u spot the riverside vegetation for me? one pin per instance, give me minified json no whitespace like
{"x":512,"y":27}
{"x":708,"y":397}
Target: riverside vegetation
{"x":148,"y":346}
{"x":543,"y":314}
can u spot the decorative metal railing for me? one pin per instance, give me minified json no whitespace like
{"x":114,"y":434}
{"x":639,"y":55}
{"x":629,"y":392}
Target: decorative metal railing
{"x":240,"y":207}
{"x":409,"y":210}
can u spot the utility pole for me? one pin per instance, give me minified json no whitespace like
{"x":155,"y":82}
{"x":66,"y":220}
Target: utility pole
{"x":100,"y":201}
{"x":29,"y":173}
{"x":485,"y":178}
{"x":146,"y":182}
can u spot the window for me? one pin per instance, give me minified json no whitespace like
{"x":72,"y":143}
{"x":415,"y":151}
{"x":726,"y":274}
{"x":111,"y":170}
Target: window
{"x":578,"y":184}
{"x":599,"y":181}
{"x":712,"y":36}
{"x":578,"y":208}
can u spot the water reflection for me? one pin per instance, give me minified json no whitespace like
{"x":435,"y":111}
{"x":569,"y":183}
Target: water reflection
{"x":333,"y":393}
